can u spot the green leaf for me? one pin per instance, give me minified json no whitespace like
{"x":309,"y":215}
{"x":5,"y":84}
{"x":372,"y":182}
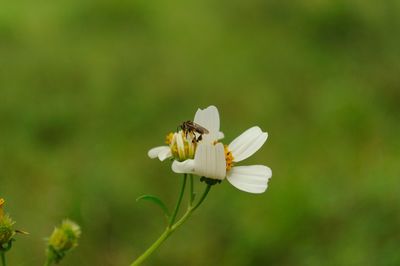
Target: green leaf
{"x":155,"y":200}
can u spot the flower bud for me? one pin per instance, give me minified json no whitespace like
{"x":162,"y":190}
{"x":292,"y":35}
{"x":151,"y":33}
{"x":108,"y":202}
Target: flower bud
{"x":6,"y":229}
{"x":63,"y":239}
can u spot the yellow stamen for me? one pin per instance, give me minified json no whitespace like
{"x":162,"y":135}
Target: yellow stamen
{"x":2,"y":201}
{"x":168,"y":138}
{"x":182,"y":145}
{"x":228,"y":158}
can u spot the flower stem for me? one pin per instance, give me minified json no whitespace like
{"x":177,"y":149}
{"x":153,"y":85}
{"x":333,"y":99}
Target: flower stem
{"x":203,"y":197}
{"x":153,"y":247}
{"x":172,"y":227}
{"x":191,"y":210}
{"x":191,"y":191}
{"x":178,"y":204}
{"x":3,"y":258}
{"x":48,"y":262}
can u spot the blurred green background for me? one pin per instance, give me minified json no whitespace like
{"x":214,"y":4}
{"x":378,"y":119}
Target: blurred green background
{"x":87,"y":87}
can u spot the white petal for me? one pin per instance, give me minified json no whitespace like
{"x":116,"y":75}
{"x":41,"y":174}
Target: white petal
{"x":165,"y":154}
{"x":247,"y":143}
{"x":253,"y":179}
{"x":162,"y":152}
{"x":209,"y":119}
{"x":220,"y":135}
{"x":185,"y":167}
{"x":220,"y":168}
{"x":210,"y":161}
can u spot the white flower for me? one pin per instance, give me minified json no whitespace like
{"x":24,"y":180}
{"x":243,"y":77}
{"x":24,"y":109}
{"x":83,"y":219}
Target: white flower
{"x":209,"y":119}
{"x":182,"y":146}
{"x":216,"y":162}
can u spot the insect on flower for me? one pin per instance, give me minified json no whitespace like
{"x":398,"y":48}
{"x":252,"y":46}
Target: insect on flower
{"x":215,"y":162}
{"x":181,"y":145}
{"x":196,"y":149}
{"x":190,"y":127}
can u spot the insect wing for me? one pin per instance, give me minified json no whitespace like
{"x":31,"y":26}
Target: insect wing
{"x":200,"y":129}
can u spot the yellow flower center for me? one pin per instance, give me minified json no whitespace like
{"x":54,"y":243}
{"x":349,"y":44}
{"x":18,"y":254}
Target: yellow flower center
{"x":228,"y":158}
{"x":182,"y":145}
{"x":169,"y":138}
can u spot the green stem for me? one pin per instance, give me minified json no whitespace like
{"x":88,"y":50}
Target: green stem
{"x":48,"y":262}
{"x":178,"y":204}
{"x":191,"y":210}
{"x":172,"y":227}
{"x":153,"y":247}
{"x":191,"y":191}
{"x":203,"y":197}
{"x":3,"y":258}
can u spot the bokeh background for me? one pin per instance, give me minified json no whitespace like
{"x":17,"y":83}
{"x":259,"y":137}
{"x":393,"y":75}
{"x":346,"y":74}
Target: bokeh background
{"x":87,"y":87}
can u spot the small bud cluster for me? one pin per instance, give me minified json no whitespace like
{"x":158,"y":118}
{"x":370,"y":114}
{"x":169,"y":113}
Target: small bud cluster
{"x":6,"y":228}
{"x":62,"y":240}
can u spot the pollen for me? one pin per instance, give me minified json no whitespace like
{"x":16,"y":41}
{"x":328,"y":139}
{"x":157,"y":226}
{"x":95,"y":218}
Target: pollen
{"x":1,"y":207}
{"x":228,"y":158}
{"x":169,"y":138}
{"x":182,"y":145}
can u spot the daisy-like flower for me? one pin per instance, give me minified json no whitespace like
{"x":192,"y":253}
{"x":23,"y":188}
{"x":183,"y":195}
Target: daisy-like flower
{"x":182,"y":146}
{"x":196,"y":149}
{"x":216,"y":162}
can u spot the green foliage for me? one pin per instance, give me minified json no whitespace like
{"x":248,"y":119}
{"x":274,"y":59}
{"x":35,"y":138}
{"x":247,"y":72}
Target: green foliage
{"x":156,"y":201}
{"x":87,"y":87}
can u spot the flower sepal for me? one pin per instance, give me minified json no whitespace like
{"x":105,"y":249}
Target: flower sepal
{"x":6,"y":246}
{"x":210,"y":181}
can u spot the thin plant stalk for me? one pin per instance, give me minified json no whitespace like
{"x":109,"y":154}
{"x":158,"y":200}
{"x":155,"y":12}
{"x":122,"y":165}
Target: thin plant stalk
{"x":178,"y":204}
{"x":173,"y":226}
{"x":3,"y":258}
{"x":48,"y":262}
{"x":191,"y":190}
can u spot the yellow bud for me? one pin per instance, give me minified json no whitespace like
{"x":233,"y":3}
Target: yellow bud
{"x":6,"y":229}
{"x":63,"y":239}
